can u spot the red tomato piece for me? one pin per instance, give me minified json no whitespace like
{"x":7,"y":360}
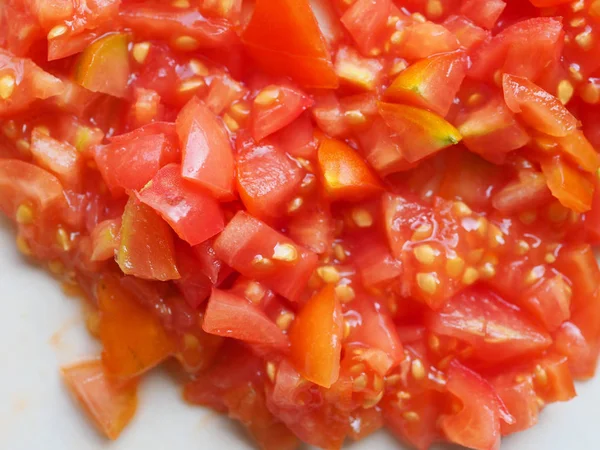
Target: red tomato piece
{"x":421,"y":132}
{"x":133,"y":338}
{"x":374,"y":261}
{"x":536,"y":107}
{"x":468,"y":34}
{"x":529,"y":191}
{"x":146,"y":246}
{"x":492,"y":130}
{"x":207,"y":152}
{"x":109,"y":405}
{"x":266,"y":179}
{"x":316,"y":337}
{"x":298,"y":138}
{"x":521,"y":402}
{"x":484,"y":14}
{"x":105,"y":240}
{"x":366,"y":21}
{"x":274,"y":108}
{"x":229,"y":315}
{"x":356,"y":71}
{"x":580,"y":151}
{"x":549,"y":300}
{"x":284,"y":38}
{"x":425,"y":39}
{"x":477,"y":424}
{"x":421,"y":83}
{"x":312,"y":229}
{"x":194,"y":285}
{"x":257,"y":251}
{"x":163,"y":21}
{"x":496,"y":329}
{"x":571,"y":187}
{"x":193,"y":213}
{"x":25,"y":183}
{"x":345,"y":174}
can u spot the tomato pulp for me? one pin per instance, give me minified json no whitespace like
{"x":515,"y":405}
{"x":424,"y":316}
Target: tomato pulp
{"x":328,"y":216}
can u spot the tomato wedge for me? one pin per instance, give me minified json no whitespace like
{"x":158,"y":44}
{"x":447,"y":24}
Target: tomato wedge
{"x":421,"y":83}
{"x":133,"y":338}
{"x":207,"y":152}
{"x":421,"y":132}
{"x":536,"y":107}
{"x":345,"y":174}
{"x":283,"y":36}
{"x":146,"y":247}
{"x":571,"y":187}
{"x":316,"y":338}
{"x":109,"y":405}
{"x":484,"y":14}
{"x":62,"y":159}
{"x":230,"y":315}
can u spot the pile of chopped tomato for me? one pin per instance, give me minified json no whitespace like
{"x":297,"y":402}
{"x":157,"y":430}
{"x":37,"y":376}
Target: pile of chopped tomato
{"x":331,"y":216}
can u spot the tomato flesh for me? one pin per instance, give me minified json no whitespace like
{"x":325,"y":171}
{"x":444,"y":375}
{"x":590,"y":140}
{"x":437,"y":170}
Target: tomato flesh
{"x":326,"y":216}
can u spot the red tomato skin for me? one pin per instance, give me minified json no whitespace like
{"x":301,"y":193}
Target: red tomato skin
{"x":426,"y":39}
{"x":229,"y":315}
{"x":193,"y":213}
{"x":483,"y":14}
{"x":289,"y":105}
{"x":59,"y":158}
{"x":312,"y":229}
{"x":266,"y":179}
{"x":468,"y":34}
{"x":284,"y":38}
{"x":366,"y":20}
{"x":316,"y":337}
{"x":245,"y":241}
{"x":207,"y":154}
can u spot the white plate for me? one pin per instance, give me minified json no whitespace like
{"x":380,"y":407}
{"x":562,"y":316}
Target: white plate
{"x":41,"y":329}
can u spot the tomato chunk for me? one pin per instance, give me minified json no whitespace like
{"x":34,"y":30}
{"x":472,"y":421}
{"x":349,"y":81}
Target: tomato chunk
{"x":192,"y":213}
{"x":572,"y":188}
{"x":110,"y":406}
{"x":207,"y":153}
{"x":232,"y":316}
{"x":257,"y":251}
{"x":316,"y":338}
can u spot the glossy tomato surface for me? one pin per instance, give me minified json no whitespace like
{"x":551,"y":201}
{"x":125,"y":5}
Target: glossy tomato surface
{"x":323,"y":217}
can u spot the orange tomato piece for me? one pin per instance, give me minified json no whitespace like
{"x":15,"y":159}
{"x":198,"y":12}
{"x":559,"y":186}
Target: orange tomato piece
{"x":345,"y":174}
{"x":107,"y":55}
{"x":430,"y":83}
{"x":579,"y":150}
{"x":133,"y":337}
{"x":283,"y":37}
{"x":421,"y":132}
{"x":146,"y":249}
{"x":571,"y":187}
{"x":316,"y":338}
{"x":109,"y":405}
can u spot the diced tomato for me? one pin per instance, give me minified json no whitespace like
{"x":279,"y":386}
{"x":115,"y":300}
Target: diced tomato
{"x":468,"y":34}
{"x":23,"y":183}
{"x":572,"y":188}
{"x":23,"y":83}
{"x":232,"y":316}
{"x":477,"y":423}
{"x":316,"y":338}
{"x":484,"y":14}
{"x":550,"y":301}
{"x":312,"y":229}
{"x":193,"y":213}
{"x":496,"y":329}
{"x":207,"y":152}
{"x":298,"y":138}
{"x":110,"y":405}
{"x":146,"y":246}
{"x":105,"y":239}
{"x":163,"y":21}
{"x":539,"y":109}
{"x":580,"y":151}
{"x":266,"y":179}
{"x":258,"y":251}
{"x":425,"y":39}
{"x":421,"y":83}
{"x":492,"y":130}
{"x":345,"y":174}
{"x":133,"y":338}
{"x":366,"y":20}
{"x":524,"y":49}
{"x":284,"y":38}
{"x":356,"y":71}
{"x":194,"y":284}
{"x":521,"y":402}
{"x":274,"y":108}
{"x":107,"y":55}
{"x":375,"y":263}
{"x":529,"y":191}
{"x":421,"y":132}
{"x":60,"y":158}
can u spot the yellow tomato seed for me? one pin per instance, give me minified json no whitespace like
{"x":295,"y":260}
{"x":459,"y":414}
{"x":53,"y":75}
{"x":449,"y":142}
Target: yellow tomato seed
{"x":329,"y":274}
{"x":285,"y":252}
{"x":425,"y":254}
{"x":470,"y":276}
{"x":140,"y":51}
{"x":417,"y":369}
{"x":57,"y":31}
{"x":7,"y":86}
{"x":186,"y":43}
{"x":271,"y":371}
{"x":23,"y":246}
{"x":427,"y":282}
{"x":24,"y":214}
{"x":344,"y":293}
{"x":362,"y":218}
{"x":565,"y":91}
{"x":411,"y":416}
{"x":267,"y":96}
{"x":284,"y":320}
